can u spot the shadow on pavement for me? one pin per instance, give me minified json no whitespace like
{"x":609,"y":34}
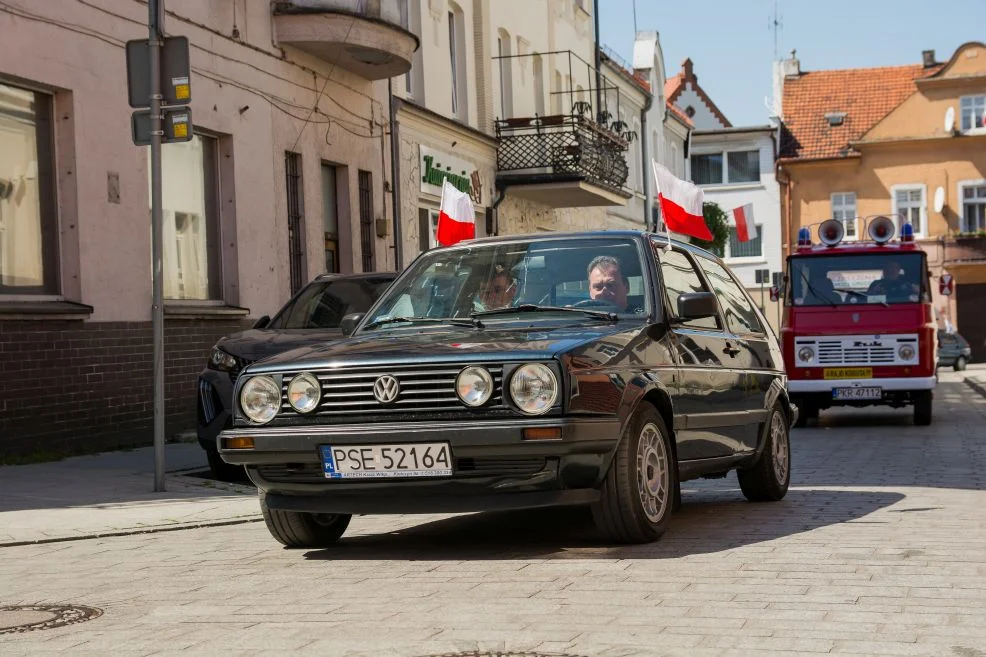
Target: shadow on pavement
{"x":708,"y":522}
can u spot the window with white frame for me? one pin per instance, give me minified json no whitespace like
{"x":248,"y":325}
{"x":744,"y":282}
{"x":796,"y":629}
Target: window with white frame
{"x":457,"y":59}
{"x":973,"y":112}
{"x":751,"y":249}
{"x":844,"y":209}
{"x":909,"y":206}
{"x":726,"y":167}
{"x":973,"y":207}
{"x":427,"y":228}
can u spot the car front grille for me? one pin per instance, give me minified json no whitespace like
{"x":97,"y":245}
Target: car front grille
{"x":423,"y":388}
{"x":856,"y":349}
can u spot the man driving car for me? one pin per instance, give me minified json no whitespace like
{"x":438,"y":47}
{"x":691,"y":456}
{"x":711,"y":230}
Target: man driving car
{"x":607,"y":282}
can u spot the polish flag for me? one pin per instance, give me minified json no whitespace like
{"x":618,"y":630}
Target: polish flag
{"x":456,"y":219}
{"x":681,"y":204}
{"x":746,"y":230}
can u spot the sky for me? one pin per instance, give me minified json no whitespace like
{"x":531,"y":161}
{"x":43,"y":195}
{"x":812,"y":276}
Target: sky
{"x":732,"y":48}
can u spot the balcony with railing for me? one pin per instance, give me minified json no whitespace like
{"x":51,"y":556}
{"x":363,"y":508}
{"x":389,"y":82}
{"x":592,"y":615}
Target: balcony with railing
{"x":571,"y":157}
{"x":367,"y":37}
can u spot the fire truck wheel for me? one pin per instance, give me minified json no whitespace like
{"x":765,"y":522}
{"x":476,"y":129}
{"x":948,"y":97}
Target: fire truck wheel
{"x":767,"y":480}
{"x":922,"y":408}
{"x":806,"y":411}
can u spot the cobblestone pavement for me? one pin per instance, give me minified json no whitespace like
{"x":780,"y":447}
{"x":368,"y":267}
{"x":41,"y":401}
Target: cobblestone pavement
{"x":879,"y":549}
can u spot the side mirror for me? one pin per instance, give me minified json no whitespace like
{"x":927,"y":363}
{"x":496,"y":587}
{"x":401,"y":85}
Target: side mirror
{"x":696,"y":305}
{"x":262,"y":322}
{"x":349,"y":322}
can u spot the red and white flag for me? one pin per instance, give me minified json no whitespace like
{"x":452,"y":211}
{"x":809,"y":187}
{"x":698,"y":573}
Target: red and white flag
{"x":456,"y":219}
{"x":746,"y":229}
{"x":681,"y":204}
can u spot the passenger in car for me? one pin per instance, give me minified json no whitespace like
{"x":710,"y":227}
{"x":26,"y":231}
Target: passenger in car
{"x":496,"y":292}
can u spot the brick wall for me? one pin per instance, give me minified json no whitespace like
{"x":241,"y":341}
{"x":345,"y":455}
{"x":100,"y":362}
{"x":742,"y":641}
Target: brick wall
{"x":73,"y":386}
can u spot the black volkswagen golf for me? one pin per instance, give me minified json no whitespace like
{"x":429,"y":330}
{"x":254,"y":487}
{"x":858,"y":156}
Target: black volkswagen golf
{"x":598,"y":369}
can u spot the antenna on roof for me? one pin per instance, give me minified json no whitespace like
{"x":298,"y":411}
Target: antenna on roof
{"x":775,"y":25}
{"x":635,"y":17}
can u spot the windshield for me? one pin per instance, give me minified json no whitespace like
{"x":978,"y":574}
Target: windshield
{"x":596,"y":274}
{"x":865,"y":278}
{"x":323,"y":304}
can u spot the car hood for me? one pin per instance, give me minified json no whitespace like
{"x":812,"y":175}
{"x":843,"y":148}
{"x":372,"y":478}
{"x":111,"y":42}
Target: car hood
{"x":448,"y":344}
{"x":257,"y":344}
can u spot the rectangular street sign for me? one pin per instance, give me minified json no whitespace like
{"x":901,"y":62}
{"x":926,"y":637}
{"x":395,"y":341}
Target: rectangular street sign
{"x":176,"y":124}
{"x":175,"y":72}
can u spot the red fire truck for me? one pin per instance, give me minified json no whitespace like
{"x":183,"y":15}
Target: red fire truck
{"x":858,"y":327}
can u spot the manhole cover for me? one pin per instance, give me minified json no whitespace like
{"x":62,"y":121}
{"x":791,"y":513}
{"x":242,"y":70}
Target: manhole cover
{"x":499,"y":653}
{"x":27,"y":618}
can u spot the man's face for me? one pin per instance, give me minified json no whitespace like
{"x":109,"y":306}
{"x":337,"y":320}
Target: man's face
{"x":499,"y":292}
{"x":606,"y":284}
{"x":891,"y":270}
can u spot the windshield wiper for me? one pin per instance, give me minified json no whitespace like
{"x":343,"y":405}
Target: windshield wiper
{"x":472,"y":323}
{"x":532,"y":308}
{"x":815,"y":293}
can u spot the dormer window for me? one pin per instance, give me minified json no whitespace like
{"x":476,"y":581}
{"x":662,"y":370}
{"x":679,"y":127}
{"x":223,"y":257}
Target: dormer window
{"x":835,"y":118}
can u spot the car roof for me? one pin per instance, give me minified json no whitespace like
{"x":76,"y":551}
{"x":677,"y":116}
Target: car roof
{"x":587,"y":234}
{"x":356,"y":276}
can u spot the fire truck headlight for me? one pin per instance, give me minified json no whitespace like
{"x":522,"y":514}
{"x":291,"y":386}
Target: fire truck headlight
{"x":906,"y":352}
{"x":806,"y":354}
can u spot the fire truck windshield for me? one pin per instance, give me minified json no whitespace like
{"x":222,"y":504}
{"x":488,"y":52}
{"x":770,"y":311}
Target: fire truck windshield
{"x":863,"y":278}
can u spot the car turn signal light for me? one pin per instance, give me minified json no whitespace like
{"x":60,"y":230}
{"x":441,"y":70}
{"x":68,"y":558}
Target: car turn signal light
{"x":542,"y":433}
{"x":238,"y":443}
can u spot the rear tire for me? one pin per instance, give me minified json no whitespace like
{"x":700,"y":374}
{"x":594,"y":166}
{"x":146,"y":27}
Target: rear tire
{"x":768,"y":479}
{"x":638,"y":494}
{"x":960,"y":364}
{"x":304,"y":530}
{"x":923,"y":403}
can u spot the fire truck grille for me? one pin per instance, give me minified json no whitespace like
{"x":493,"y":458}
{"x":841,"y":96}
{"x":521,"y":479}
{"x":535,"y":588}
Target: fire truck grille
{"x":849,"y":350}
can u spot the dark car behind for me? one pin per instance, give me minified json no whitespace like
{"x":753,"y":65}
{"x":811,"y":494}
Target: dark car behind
{"x":953,"y":351}
{"x":311,"y":316}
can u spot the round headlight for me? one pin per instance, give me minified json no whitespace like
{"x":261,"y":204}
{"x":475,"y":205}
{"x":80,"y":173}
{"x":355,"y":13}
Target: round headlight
{"x":534,"y":388}
{"x":474,"y":386}
{"x":260,"y":399}
{"x":905,"y":351}
{"x":304,"y":393}
{"x":805,"y":354}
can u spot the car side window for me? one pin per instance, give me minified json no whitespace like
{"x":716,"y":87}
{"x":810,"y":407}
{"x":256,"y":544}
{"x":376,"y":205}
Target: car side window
{"x":680,"y":276}
{"x":735,"y":305}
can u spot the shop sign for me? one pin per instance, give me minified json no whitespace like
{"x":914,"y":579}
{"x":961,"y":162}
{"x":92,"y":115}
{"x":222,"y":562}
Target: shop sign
{"x":436,"y":167}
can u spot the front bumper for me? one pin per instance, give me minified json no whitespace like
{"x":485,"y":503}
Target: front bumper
{"x":888,"y":384}
{"x":493,"y":466}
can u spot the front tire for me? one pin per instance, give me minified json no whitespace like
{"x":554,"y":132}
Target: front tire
{"x":960,"y":364}
{"x":923,"y":403}
{"x":768,"y":479}
{"x":638,"y":495}
{"x":295,"y":529}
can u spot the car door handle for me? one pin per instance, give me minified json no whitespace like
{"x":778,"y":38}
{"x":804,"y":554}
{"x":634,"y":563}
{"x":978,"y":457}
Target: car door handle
{"x":730,"y":350}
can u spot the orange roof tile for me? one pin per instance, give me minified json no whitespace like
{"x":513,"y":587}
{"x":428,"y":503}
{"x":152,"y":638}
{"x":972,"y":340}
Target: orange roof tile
{"x":866,"y":95}
{"x":673,"y":85}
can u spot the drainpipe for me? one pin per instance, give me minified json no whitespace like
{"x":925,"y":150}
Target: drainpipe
{"x":395,"y":174}
{"x":645,"y":165}
{"x":500,"y":195}
{"x":599,"y":80}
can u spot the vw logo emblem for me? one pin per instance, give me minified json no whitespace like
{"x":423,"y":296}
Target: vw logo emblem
{"x":386,"y":388}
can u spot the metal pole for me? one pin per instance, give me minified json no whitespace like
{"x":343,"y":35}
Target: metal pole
{"x":395,"y":183}
{"x":155,"y":12}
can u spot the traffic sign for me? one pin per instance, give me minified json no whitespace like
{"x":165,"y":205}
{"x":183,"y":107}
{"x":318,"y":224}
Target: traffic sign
{"x":945,"y":285}
{"x":176,"y":125}
{"x":175,"y":72}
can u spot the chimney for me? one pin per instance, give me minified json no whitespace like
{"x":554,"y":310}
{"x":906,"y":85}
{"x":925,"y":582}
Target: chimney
{"x":782,"y":70}
{"x":928,"y":58}
{"x":686,"y":70}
